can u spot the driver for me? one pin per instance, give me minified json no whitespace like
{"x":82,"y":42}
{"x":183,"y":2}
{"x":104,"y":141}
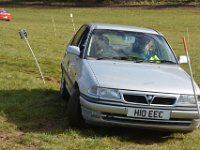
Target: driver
{"x":144,"y":46}
{"x":149,"y":53}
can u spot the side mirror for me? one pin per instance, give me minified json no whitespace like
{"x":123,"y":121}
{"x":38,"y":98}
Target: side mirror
{"x":182,"y":60}
{"x":73,"y":50}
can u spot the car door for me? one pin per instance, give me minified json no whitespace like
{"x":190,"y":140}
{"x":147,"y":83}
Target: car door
{"x":71,"y":62}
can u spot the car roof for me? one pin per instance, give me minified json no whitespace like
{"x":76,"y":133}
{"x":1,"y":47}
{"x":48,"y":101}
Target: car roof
{"x":123,"y":28}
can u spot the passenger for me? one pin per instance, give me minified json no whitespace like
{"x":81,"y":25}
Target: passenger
{"x":101,"y":47}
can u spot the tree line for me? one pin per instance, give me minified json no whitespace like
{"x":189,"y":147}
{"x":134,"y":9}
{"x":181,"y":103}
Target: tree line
{"x":117,"y":1}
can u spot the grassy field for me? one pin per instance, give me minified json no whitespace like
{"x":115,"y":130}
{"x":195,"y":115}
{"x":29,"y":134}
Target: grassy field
{"x":33,"y":116}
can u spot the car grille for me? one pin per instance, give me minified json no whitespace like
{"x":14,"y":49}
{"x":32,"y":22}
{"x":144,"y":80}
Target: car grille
{"x":163,"y":101}
{"x":135,"y":99}
{"x":142,"y":99}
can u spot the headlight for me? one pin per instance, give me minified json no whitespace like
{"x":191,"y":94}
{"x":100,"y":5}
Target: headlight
{"x":186,"y":99}
{"x":108,"y":93}
{"x":92,"y":91}
{"x":104,"y":93}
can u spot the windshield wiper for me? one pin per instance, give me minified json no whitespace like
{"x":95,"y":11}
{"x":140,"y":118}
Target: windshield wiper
{"x":117,"y":58}
{"x":162,"y":61}
{"x":137,"y":59}
{"x":140,"y":60}
{"x":167,"y":61}
{"x":132,"y":58}
{"x":100,"y":58}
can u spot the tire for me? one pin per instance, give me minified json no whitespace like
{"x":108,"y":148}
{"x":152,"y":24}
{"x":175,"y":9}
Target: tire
{"x":74,"y":111}
{"x":63,"y":90}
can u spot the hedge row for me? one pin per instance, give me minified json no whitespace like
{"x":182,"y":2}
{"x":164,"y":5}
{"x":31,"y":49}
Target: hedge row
{"x":118,"y":1}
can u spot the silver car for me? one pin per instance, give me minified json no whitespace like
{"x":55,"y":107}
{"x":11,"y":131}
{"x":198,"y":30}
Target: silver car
{"x":127,"y":76}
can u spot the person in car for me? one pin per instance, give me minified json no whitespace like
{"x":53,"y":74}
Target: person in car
{"x":143,"y":47}
{"x":101,"y":47}
{"x":149,"y":52}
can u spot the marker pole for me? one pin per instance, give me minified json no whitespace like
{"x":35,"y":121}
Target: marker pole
{"x":54,"y":25}
{"x":23,"y":35}
{"x":71,"y":16}
{"x":191,"y":74}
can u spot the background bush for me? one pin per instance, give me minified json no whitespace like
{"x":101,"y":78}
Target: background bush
{"x":116,"y":1}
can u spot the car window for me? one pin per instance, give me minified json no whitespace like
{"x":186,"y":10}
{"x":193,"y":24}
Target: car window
{"x":127,"y":44}
{"x":3,"y":11}
{"x":83,"y":38}
{"x":82,"y":41}
{"x":78,"y":36}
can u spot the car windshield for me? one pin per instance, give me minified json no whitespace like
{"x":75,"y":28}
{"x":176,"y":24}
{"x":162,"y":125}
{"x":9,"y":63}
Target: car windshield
{"x":128,"y":45}
{"x":3,"y":11}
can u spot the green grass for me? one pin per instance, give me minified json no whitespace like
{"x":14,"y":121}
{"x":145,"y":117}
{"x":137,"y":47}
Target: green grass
{"x":33,"y":116}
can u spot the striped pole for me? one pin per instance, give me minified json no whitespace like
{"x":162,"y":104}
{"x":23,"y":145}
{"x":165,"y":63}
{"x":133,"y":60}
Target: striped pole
{"x":191,"y":74}
{"x":23,"y":35}
{"x":54,"y":25}
{"x":71,"y":16}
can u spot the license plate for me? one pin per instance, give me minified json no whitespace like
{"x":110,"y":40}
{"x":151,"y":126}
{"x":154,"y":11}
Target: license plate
{"x":148,"y":113}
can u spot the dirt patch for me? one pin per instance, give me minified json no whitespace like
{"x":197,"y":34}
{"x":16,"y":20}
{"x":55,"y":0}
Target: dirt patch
{"x":10,"y":136}
{"x":52,"y":79}
{"x":47,"y":78}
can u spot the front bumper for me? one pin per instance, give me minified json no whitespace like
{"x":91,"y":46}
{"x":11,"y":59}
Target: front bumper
{"x":115,"y":114}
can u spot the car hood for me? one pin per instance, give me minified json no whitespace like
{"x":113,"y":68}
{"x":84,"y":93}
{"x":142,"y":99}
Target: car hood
{"x":162,"y":78}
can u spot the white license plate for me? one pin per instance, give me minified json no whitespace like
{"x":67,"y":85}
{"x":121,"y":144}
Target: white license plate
{"x":149,"y":113}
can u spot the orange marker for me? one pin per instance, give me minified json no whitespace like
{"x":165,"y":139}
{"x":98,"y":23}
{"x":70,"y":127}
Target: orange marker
{"x":185,"y":44}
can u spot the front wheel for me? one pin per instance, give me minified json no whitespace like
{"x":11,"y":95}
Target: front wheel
{"x":74,"y":111}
